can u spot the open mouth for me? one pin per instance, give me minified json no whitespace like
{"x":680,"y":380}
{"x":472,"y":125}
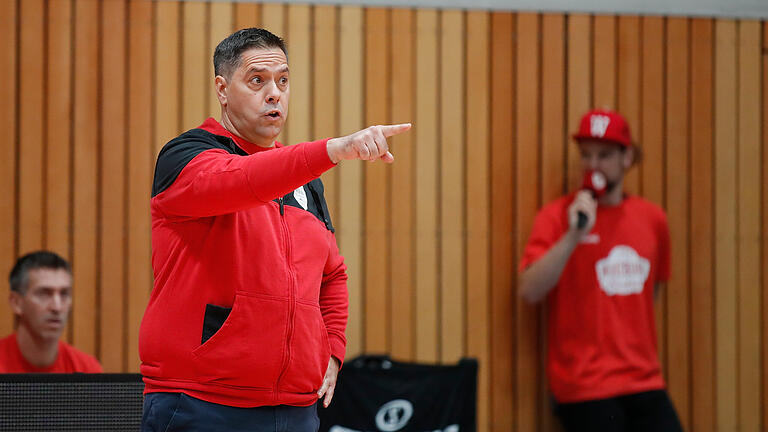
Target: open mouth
{"x":274,"y":114}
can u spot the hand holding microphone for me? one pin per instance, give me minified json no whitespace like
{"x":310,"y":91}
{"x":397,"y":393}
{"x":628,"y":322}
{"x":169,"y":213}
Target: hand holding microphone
{"x":584,"y":206}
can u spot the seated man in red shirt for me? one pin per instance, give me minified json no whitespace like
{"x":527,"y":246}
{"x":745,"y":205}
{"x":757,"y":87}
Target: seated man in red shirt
{"x":598,"y":277}
{"x":41,"y":298}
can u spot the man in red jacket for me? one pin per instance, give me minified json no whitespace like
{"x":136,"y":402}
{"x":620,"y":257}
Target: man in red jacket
{"x":41,"y":299}
{"x":599,"y":280}
{"x":244,"y":329}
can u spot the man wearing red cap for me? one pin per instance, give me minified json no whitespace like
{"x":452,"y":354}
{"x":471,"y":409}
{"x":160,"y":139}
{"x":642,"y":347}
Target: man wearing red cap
{"x":599,"y":277}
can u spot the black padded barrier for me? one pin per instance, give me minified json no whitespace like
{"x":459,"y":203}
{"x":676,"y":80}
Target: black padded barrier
{"x":70,"y":402}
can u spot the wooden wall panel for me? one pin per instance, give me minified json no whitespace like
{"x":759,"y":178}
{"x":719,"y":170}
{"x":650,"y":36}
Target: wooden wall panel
{"x":247,"y":15}
{"x":764,"y":236}
{"x":527,"y":165}
{"x":86,"y":176}
{"x":325,"y":92}
{"x":452,"y":220}
{"x":725,"y":228}
{"x":221,"y":20}
{"x":31,"y":109}
{"x":701,"y":224}
{"x":427,"y":155}
{"x":678,"y":211}
{"x":629,"y":86}
{"x":748,"y":179}
{"x":194,"y":63}
{"x":477,"y":151}
{"x":432,"y":242}
{"x":402,"y":190}
{"x":9,"y":113}
{"x":58,"y":128}
{"x":140,"y":167}
{"x":349,"y":227}
{"x":167,"y":68}
{"x":299,"y":40}
{"x":502,"y":416}
{"x":604,"y":76}
{"x":579,"y":86}
{"x":377,"y":298}
{"x":112,"y":196}
{"x":554,"y":139}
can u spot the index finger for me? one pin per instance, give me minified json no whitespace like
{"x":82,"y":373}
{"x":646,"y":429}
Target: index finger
{"x":391,"y":130}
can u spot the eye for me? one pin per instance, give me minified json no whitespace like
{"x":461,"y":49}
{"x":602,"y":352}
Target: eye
{"x":284,"y":80}
{"x":256,"y":80}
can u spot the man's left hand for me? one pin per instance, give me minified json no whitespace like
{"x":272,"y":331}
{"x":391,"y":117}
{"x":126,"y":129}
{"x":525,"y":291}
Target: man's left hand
{"x":329,"y":382}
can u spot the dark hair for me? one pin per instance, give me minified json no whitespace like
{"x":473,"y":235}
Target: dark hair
{"x":226,"y":57}
{"x":19,"y":276}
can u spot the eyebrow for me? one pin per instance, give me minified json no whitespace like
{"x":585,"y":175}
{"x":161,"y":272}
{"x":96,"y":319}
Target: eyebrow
{"x":263,"y":69}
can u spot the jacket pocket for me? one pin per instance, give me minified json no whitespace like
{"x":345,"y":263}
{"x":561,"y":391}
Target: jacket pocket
{"x":247,"y":349}
{"x":310,"y":351}
{"x":214,"y":318}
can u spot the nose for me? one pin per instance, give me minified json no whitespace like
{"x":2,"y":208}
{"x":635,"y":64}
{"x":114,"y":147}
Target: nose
{"x":272,"y":93}
{"x":57,"y":303}
{"x":591,"y":162}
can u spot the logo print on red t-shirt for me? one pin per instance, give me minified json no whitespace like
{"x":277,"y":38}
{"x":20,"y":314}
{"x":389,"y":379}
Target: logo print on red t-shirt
{"x":622,"y":272}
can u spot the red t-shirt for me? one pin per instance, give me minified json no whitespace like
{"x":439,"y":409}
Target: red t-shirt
{"x":69,"y":360}
{"x":602,"y":334}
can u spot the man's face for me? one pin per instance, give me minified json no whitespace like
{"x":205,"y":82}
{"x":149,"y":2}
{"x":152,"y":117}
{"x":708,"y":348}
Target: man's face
{"x":44,"y":307}
{"x":607,"y":158}
{"x":255,"y":97}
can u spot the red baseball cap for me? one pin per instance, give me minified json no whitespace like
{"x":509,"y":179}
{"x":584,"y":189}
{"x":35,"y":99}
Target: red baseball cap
{"x":604,"y":125}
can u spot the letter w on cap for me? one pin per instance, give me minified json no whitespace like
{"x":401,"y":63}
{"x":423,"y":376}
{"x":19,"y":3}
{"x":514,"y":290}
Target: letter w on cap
{"x":598,"y":125}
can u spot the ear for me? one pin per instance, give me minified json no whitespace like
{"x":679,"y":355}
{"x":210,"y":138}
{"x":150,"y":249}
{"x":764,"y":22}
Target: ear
{"x":15,"y":300}
{"x":629,"y":157}
{"x":221,"y":89}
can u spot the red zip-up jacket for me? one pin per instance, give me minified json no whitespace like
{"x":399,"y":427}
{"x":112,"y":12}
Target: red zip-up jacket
{"x":250,"y":294}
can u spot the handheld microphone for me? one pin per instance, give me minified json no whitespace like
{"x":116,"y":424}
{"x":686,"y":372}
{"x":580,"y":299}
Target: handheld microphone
{"x":595,"y":183}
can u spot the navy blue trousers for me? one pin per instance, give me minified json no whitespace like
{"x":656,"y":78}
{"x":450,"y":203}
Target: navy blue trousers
{"x":650,"y":411}
{"x":180,"y":412}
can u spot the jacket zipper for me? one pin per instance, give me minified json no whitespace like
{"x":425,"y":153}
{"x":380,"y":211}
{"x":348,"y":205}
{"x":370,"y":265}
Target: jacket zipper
{"x":292,"y":299}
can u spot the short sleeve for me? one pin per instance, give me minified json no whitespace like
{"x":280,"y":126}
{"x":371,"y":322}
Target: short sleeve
{"x":663,"y":273}
{"x":547,"y":230}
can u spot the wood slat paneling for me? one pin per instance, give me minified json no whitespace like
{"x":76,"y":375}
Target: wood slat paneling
{"x":86,"y":176}
{"x":325,"y":92}
{"x":629,"y":86}
{"x":350,"y":230}
{"x":299,"y":39}
{"x":748,"y":154}
{"x":427,"y":155}
{"x":140,"y":162}
{"x":452,"y":242}
{"x":764,"y":236}
{"x":604,"y":76}
{"x":58,"y":128}
{"x":31,"y":109}
{"x":678,"y":211}
{"x":554,"y":140}
{"x":477,"y":204}
{"x":701,"y":224}
{"x":9,"y":112}
{"x":402,"y":190}
{"x":725,"y":228}
{"x":112,"y":196}
{"x":527,"y":166}
{"x":194,"y":62}
{"x":221,"y":21}
{"x":502,"y":416}
{"x":377,"y":298}
{"x":579,"y":86}
{"x":167,"y":67}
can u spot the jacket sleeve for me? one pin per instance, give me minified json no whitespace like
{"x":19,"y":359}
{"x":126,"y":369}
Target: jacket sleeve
{"x":334,"y":300}
{"x":197,"y":179}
